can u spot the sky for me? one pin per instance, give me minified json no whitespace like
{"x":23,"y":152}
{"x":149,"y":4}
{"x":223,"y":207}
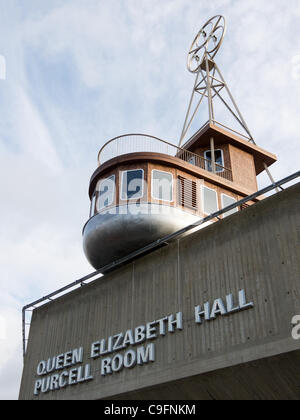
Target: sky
{"x":74,"y":74}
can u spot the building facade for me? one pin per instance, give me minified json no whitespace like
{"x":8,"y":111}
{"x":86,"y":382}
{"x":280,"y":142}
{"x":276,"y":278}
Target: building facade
{"x":210,"y":316}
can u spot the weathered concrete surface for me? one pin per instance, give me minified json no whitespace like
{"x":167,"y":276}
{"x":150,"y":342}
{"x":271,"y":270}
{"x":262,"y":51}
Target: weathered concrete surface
{"x":273,"y":378}
{"x":256,"y":250}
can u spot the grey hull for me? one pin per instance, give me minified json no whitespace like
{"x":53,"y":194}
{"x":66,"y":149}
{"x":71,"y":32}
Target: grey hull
{"x":125,"y":229}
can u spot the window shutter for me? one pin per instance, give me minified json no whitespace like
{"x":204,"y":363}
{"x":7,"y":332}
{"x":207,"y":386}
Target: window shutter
{"x":187,"y":193}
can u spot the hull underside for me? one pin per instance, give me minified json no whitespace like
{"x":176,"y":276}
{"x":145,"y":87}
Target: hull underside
{"x":112,"y":235}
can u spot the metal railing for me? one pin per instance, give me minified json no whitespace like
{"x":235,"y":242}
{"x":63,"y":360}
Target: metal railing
{"x":133,"y":143}
{"x":154,"y":245}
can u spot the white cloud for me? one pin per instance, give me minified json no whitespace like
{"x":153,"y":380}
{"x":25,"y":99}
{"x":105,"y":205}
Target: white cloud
{"x":33,"y":136}
{"x":2,"y":67}
{"x":295,"y":62}
{"x":3,"y":328}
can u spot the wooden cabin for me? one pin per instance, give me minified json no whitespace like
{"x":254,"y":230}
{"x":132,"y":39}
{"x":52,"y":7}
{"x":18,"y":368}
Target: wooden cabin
{"x":146,"y":188}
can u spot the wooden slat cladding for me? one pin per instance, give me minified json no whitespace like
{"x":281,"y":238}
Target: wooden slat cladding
{"x":187,"y":193}
{"x":244,"y":206}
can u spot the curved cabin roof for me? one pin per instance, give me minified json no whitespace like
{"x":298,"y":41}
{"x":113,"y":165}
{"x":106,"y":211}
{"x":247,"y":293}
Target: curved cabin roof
{"x":163,"y":159}
{"x":134,"y":148}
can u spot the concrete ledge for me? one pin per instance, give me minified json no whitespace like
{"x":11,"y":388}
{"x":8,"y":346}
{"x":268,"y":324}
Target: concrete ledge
{"x":256,"y":250}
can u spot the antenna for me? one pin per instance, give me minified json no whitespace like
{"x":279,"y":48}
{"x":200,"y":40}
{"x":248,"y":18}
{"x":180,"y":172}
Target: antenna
{"x":209,"y":81}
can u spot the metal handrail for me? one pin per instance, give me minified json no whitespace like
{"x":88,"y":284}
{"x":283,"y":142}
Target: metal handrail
{"x":179,"y":152}
{"x":150,"y":247}
{"x":131,"y":135}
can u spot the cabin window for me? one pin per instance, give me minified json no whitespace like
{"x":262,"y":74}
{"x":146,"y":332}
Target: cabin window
{"x":106,"y":192}
{"x":93,"y":202}
{"x":187,"y":192}
{"x":219,"y":160}
{"x":227,"y":201}
{"x":162,"y":185}
{"x":192,"y":160}
{"x":210,"y":200}
{"x":132,"y":184}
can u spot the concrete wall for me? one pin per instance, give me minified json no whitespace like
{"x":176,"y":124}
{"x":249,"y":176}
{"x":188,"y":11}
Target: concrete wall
{"x":273,"y":378}
{"x":256,"y":250}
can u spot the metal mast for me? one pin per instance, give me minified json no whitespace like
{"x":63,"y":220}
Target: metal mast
{"x":210,"y":83}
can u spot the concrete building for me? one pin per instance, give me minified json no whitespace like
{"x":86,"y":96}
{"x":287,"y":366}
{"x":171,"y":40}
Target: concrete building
{"x":245,"y":354}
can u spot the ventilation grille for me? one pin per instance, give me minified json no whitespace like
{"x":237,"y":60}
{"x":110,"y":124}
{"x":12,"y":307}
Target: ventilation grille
{"x":244,"y":206}
{"x":187,"y":193}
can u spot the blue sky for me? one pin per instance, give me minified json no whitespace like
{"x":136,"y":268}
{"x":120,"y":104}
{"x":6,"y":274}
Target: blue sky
{"x":80,"y":72}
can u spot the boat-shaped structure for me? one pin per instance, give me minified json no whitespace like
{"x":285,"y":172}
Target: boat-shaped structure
{"x":146,"y":188}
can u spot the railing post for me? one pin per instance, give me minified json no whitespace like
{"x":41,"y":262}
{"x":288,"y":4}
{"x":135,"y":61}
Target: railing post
{"x":212,"y":151}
